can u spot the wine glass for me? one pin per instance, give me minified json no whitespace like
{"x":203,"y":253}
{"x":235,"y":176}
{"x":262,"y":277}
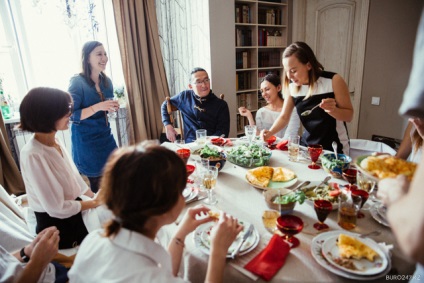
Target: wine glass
{"x":322,"y":208}
{"x":250,"y":132}
{"x":350,"y":176}
{"x":366,"y":184}
{"x":112,"y":111}
{"x":290,"y":225}
{"x":315,"y":151}
{"x":364,"y":196}
{"x":209,"y":176}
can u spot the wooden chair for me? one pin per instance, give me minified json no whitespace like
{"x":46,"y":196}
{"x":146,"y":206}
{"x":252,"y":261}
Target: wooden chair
{"x":171,"y":109}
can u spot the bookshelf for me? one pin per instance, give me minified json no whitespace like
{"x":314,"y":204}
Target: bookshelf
{"x":260,"y":38}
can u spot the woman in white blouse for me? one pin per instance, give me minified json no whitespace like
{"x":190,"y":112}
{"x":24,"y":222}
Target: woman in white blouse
{"x":54,"y":187}
{"x":265,"y":116}
{"x":142,"y":185}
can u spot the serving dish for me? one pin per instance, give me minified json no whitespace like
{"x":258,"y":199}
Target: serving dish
{"x":249,"y":156}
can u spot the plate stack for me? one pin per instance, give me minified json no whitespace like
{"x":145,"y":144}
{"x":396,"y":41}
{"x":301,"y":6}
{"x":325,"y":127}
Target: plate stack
{"x":190,"y":193}
{"x":326,"y":252}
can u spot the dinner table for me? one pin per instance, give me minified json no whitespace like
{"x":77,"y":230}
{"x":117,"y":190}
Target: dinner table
{"x":237,"y":197}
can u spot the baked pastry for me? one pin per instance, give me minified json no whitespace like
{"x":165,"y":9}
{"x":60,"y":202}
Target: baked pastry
{"x":387,"y":166}
{"x":260,"y":176}
{"x":350,"y":247}
{"x":282,"y":174}
{"x":214,"y":214}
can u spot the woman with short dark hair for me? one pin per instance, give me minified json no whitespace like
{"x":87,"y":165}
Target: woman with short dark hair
{"x":92,"y":139}
{"x":54,"y":186}
{"x":142,"y":185}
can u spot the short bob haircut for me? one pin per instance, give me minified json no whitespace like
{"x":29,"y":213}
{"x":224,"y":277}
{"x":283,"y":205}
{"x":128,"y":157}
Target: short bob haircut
{"x":140,"y":182}
{"x":42,"y":107}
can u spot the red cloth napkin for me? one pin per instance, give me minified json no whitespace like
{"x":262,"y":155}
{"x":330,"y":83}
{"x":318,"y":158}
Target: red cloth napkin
{"x":282,"y":145}
{"x":271,"y":259}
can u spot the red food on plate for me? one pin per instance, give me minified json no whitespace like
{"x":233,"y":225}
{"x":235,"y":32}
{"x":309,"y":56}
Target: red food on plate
{"x":282,"y":145}
{"x":271,"y":140}
{"x":334,"y":193}
{"x":217,"y":141}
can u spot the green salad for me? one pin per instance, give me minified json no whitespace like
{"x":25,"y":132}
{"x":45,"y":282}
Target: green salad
{"x":249,"y":155}
{"x":209,"y":152}
{"x":298,"y":196}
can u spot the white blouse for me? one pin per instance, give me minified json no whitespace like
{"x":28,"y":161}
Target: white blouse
{"x":127,"y":257}
{"x":52,"y":182}
{"x":266,"y":117}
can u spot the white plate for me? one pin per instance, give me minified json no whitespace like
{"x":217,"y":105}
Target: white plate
{"x":330,"y":251}
{"x":187,"y":192}
{"x":201,"y":239}
{"x":316,"y":183}
{"x":276,"y":185}
{"x":377,"y":216}
{"x":316,"y":251}
{"x":192,"y":195}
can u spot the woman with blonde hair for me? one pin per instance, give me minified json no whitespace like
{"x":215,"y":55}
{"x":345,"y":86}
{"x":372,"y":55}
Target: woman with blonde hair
{"x":142,"y":186}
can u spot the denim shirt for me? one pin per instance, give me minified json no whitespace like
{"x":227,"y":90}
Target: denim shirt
{"x":210,"y":113}
{"x":92,"y":139}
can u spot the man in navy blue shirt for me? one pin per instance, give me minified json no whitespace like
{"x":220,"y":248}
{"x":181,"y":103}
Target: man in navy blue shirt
{"x":200,"y":109}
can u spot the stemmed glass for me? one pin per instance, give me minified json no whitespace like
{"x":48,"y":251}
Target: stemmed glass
{"x":366,"y":184}
{"x":364,"y":196}
{"x":250,"y":132}
{"x":209,"y":176}
{"x":290,"y":225}
{"x":322,"y":208}
{"x":350,"y":176}
{"x":315,"y":151}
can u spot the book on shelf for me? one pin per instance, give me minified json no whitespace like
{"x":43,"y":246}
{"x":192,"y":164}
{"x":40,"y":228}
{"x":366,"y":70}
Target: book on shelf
{"x":242,"y":14}
{"x":243,"y":80}
{"x":269,"y":59}
{"x":242,"y":60}
{"x":269,"y":16}
{"x":243,"y":37}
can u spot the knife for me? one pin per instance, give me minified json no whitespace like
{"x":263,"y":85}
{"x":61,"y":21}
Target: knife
{"x":245,"y":236}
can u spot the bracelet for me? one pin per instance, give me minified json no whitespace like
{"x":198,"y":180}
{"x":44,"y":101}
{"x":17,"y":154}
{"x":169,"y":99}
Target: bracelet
{"x":91,"y":107}
{"x":179,"y":242}
{"x":24,"y":257}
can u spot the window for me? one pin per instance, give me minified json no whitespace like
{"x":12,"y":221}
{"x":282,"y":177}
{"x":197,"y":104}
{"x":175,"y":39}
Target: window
{"x":41,"y":42}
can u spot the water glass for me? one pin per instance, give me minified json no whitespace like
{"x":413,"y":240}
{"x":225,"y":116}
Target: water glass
{"x":201,"y":136}
{"x":209,"y":177}
{"x":293,"y":147}
{"x":348,"y":210}
{"x":111,"y":112}
{"x":250,"y":132}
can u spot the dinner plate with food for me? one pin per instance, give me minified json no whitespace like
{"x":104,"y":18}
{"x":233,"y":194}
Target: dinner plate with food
{"x":378,"y":167}
{"x":202,"y":239}
{"x":330,"y":192}
{"x":266,"y":177}
{"x":346,"y":254}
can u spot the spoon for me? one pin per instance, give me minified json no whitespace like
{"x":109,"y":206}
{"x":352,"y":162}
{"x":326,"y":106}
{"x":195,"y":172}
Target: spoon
{"x":322,"y":183}
{"x":307,"y":112}
{"x":334,"y":144}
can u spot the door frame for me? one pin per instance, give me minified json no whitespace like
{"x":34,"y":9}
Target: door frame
{"x":299,"y":34}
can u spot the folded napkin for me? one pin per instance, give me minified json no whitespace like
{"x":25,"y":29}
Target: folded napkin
{"x":282,"y":145}
{"x":271,"y":259}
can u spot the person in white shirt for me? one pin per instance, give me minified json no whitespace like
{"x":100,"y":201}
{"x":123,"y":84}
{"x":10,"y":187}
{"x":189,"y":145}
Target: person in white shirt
{"x":266,"y":116}
{"x":411,"y":147}
{"x":142,"y":185}
{"x":55,"y":189}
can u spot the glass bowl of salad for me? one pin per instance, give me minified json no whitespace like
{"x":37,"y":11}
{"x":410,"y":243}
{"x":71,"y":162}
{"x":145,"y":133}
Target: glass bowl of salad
{"x":249,"y":156}
{"x":335,"y":166}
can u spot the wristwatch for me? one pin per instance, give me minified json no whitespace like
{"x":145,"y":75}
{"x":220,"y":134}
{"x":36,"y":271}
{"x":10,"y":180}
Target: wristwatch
{"x":24,"y":257}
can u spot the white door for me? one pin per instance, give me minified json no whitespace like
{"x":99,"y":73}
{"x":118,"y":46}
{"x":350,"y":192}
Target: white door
{"x":336,"y":31}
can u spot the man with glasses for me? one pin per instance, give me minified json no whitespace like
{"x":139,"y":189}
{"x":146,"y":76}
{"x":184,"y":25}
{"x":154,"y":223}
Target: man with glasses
{"x":200,"y":109}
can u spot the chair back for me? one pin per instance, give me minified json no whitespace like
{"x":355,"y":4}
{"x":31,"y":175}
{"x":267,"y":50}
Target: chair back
{"x":360,"y":147}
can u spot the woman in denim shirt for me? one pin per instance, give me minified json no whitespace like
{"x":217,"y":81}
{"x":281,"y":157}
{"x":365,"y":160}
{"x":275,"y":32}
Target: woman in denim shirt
{"x":92,"y":139}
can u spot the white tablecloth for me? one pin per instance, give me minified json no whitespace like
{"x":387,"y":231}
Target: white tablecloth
{"x":238,"y":198}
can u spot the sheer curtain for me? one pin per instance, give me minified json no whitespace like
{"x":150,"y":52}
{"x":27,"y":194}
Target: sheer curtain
{"x":144,"y":72}
{"x":10,"y":177}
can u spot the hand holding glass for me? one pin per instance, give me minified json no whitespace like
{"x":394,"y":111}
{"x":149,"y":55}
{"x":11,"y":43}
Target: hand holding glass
{"x":113,"y":110}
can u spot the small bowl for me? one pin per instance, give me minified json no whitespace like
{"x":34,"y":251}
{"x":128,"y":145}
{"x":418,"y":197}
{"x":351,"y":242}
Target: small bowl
{"x":335,"y":168}
{"x":271,"y":194}
{"x":218,"y":162}
{"x":218,"y":141}
{"x":190,"y":169}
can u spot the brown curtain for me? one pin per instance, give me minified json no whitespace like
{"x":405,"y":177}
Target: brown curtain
{"x":144,"y":72}
{"x":10,"y":177}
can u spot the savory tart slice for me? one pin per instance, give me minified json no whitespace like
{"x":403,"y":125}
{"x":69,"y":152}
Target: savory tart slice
{"x":282,"y":174}
{"x":260,"y":176}
{"x":350,"y":247}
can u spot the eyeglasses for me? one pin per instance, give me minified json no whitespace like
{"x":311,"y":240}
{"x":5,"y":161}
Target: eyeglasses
{"x":205,"y":81}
